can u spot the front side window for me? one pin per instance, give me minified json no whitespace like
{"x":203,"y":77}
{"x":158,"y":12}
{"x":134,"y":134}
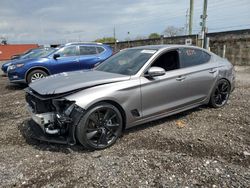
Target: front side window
{"x":87,"y":50}
{"x":126,"y":62}
{"x":67,"y":51}
{"x":192,"y":57}
{"x":168,"y":61}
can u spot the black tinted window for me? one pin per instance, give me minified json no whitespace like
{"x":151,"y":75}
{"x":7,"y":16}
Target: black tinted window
{"x":168,"y":61}
{"x":191,"y":57}
{"x":87,"y":50}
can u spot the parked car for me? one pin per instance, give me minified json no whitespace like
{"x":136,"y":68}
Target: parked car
{"x":70,"y":57}
{"x":17,"y":56}
{"x":27,"y":55}
{"x":132,"y":87}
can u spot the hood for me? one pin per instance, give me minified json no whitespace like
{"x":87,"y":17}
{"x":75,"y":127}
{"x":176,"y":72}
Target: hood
{"x":10,"y":62}
{"x":6,"y":64}
{"x":69,"y":81}
{"x":25,"y":61}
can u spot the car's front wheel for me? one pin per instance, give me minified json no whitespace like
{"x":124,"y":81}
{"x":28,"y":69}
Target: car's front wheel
{"x":36,"y":75}
{"x":100,"y":127}
{"x":220,"y":94}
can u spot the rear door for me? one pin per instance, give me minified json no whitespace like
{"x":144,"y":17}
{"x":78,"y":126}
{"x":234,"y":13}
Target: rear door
{"x":89,"y":56}
{"x":200,"y":73}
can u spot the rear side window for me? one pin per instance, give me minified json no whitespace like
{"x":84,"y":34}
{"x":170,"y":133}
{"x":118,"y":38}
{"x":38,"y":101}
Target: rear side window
{"x":192,"y":57}
{"x":100,"y":50}
{"x":87,"y":50}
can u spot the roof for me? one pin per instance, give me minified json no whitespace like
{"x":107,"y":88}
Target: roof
{"x":82,"y":43}
{"x":167,"y":46}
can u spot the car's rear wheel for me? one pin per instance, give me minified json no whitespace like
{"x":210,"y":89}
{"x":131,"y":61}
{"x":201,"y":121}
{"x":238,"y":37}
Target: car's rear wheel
{"x":100,"y":127}
{"x":220,"y":94}
{"x":36,"y":75}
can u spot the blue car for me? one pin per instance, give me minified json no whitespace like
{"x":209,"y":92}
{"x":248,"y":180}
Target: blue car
{"x":70,"y":57}
{"x":33,"y":53}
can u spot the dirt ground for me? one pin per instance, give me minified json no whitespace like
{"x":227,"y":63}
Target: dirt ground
{"x":202,"y":147}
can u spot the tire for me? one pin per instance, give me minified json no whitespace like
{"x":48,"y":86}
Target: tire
{"x":100,"y":127}
{"x":35,"y":75}
{"x":220,"y":94}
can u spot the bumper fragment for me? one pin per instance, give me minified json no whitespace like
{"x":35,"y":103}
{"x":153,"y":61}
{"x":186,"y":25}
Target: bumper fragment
{"x":37,"y":133}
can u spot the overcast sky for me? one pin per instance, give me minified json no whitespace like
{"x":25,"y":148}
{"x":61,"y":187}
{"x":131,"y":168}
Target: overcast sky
{"x":60,"y":21}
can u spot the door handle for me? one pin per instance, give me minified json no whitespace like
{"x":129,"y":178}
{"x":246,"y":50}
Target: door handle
{"x":180,"y":78}
{"x":212,"y":71}
{"x":77,"y":60}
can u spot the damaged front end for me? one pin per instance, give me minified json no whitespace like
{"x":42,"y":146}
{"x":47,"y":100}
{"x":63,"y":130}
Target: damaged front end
{"x":54,"y":118}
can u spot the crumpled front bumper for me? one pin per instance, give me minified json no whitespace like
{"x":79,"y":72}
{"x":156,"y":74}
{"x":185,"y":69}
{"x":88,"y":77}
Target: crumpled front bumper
{"x":38,"y":133}
{"x":37,"y":126}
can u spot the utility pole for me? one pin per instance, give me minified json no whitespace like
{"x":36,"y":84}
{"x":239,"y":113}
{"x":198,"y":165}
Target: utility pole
{"x":203,"y":24}
{"x":191,"y":10}
{"x":115,"y":39}
{"x":128,"y":39}
{"x":186,"y":25}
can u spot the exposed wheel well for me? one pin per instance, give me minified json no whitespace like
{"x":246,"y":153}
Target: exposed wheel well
{"x":36,"y":68}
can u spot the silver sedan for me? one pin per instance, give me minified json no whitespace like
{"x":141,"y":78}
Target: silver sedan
{"x":134,"y":86}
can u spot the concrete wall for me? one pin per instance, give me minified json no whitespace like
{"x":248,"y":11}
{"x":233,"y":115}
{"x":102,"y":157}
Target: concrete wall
{"x":237,"y":44}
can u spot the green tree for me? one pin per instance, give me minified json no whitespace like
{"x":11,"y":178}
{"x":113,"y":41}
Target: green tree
{"x":154,"y":35}
{"x":172,"y":31}
{"x":106,"y":40}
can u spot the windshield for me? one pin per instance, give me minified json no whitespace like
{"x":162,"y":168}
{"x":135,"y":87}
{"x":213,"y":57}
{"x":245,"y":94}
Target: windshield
{"x":126,"y":62}
{"x":43,"y":52}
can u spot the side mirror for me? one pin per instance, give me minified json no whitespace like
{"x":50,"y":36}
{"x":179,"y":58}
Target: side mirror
{"x":155,"y":71}
{"x":55,"y":56}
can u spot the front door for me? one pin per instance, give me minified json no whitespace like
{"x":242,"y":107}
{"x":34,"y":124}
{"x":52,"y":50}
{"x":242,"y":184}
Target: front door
{"x":163,"y":93}
{"x":68,"y":60}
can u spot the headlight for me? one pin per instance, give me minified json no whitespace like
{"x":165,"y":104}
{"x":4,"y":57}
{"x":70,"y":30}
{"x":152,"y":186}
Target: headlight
{"x":11,"y":67}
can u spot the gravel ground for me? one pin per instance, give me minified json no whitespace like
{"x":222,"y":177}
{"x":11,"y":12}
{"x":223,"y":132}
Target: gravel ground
{"x":202,"y":147}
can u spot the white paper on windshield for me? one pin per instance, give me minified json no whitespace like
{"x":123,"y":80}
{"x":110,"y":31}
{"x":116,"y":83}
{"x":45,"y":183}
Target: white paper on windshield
{"x":148,"y":51}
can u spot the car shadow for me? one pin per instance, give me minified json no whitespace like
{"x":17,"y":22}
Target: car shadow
{"x":24,"y":129}
{"x":12,"y":86}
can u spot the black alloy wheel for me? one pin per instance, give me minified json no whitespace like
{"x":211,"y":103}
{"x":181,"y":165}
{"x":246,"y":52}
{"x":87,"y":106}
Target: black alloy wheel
{"x":220,"y":94}
{"x":100,"y":127}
